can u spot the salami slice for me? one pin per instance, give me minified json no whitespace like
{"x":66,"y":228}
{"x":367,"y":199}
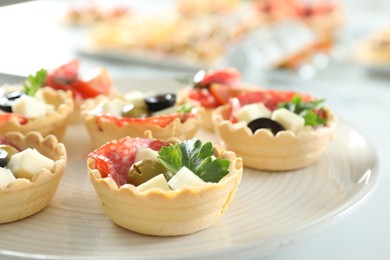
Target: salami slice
{"x":115,"y":158}
{"x":270,"y":98}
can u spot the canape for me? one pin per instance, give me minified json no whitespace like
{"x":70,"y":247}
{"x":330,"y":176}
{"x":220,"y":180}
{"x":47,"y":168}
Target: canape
{"x":275,"y":130}
{"x":31,"y":169}
{"x":164,"y":189}
{"x":43,"y":110}
{"x":132,"y":114}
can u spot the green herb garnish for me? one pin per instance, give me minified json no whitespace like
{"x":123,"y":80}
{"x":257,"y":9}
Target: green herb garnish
{"x":34,"y":83}
{"x":186,"y":108}
{"x":196,"y":157}
{"x":306,"y":109}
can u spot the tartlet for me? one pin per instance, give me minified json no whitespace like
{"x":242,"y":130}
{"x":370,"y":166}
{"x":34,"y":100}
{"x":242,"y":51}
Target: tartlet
{"x":104,"y":127}
{"x":54,"y":122}
{"x":23,"y":197}
{"x":164,"y":213}
{"x":264,"y":150}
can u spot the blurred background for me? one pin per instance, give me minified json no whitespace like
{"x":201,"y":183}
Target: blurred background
{"x":262,"y":38}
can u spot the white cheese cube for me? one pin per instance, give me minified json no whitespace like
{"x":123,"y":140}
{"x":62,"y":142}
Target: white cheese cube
{"x":145,"y":153}
{"x":136,"y":98}
{"x":27,"y":163}
{"x":6,"y":177}
{"x":29,"y":107}
{"x":289,"y":120}
{"x":158,"y":181}
{"x":253,"y":111}
{"x":114,"y":107}
{"x":185,"y":177}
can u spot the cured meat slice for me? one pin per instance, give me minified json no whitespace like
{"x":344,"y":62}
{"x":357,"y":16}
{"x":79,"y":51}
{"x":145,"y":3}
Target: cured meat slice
{"x":115,"y":158}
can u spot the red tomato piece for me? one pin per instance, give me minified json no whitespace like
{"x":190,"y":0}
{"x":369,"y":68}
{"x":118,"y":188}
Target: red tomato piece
{"x":115,"y":158}
{"x":96,"y":82}
{"x":223,"y":93}
{"x":204,"y":97}
{"x":66,"y":77}
{"x":230,"y":77}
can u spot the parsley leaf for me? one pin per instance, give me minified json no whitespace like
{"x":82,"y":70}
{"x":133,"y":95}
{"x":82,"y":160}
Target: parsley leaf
{"x":186,"y":108}
{"x":196,"y":157}
{"x":305,"y":109}
{"x":33,"y":83}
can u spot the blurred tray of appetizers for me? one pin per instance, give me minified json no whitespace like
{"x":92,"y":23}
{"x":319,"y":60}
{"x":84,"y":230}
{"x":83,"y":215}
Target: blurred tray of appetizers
{"x":202,"y":34}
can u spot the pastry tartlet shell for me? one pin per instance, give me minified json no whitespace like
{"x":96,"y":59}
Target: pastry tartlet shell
{"x":106,"y":130}
{"x":53,"y":123}
{"x":265,"y":151}
{"x":167,"y":213}
{"x":23,"y":198}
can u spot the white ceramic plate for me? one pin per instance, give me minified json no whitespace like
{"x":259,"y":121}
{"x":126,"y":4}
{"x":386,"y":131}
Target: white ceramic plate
{"x":270,"y":210}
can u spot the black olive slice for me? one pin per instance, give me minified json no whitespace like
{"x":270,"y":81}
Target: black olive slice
{"x":264,"y":122}
{"x":14,"y":95}
{"x":3,"y":158}
{"x":8,"y":99}
{"x":160,"y":102}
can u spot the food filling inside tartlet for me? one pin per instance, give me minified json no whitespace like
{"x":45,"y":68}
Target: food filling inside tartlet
{"x":277,"y":111}
{"x":67,"y":77}
{"x":149,"y":164}
{"x":16,"y":163}
{"x":26,"y":102}
{"x":136,"y":107}
{"x":214,"y":88}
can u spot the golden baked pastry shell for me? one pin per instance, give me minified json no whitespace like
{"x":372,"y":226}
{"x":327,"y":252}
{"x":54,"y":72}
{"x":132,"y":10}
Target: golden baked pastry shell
{"x":264,"y":151}
{"x":107,"y":130}
{"x":167,"y":213}
{"x":23,"y":198}
{"x":54,"y":122}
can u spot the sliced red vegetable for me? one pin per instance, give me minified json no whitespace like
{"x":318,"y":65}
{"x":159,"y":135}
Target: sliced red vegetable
{"x":94,"y":83}
{"x":204,"y":97}
{"x":115,"y":158}
{"x":222,"y":93}
{"x":161,"y":121}
{"x":10,"y":116}
{"x":66,"y":77}
{"x":229,"y":77}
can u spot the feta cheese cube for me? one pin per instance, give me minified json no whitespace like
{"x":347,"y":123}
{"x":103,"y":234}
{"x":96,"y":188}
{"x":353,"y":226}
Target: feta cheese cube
{"x":6,"y":177}
{"x":27,"y":163}
{"x":145,"y":153}
{"x":185,"y":177}
{"x":253,"y":111}
{"x":114,"y":106}
{"x":136,"y":98}
{"x":158,"y":181}
{"x":289,"y":120}
{"x":29,"y":107}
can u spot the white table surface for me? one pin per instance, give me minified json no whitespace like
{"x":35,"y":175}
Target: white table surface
{"x":31,"y":38}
